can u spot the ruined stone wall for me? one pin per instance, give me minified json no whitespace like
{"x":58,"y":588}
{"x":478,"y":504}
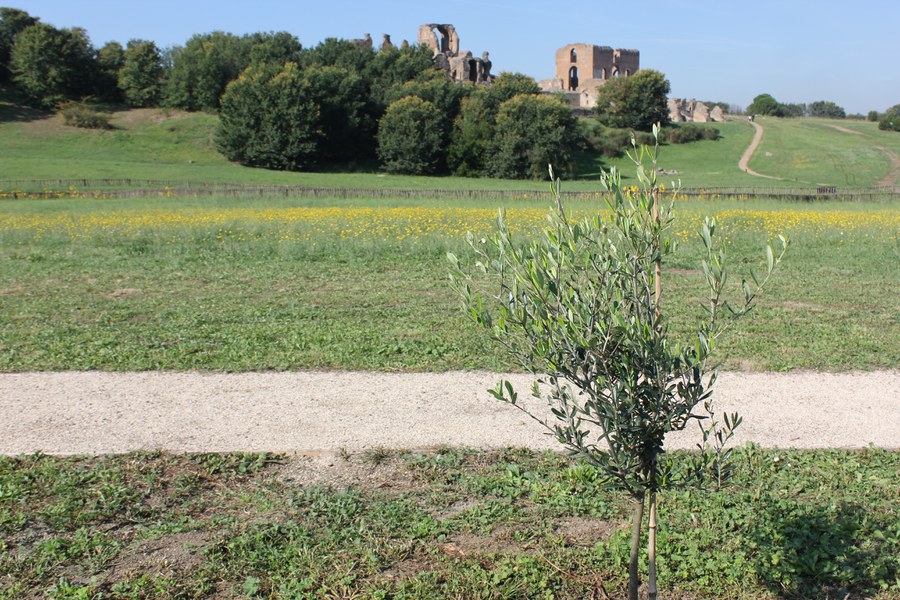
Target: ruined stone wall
{"x":461,"y":65}
{"x":584,"y":67}
{"x":682,"y":110}
{"x":573,"y":63}
{"x":626,"y":62}
{"x":441,"y":38}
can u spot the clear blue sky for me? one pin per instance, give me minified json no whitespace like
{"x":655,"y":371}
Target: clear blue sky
{"x":796,"y":50}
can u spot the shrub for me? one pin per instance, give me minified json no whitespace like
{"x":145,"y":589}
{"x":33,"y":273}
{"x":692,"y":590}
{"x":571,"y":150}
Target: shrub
{"x":79,"y":114}
{"x":689,"y":132}
{"x":827,"y":109}
{"x":890,"y":120}
{"x":533,"y":131}
{"x":603,"y":140}
{"x":637,"y":102}
{"x":411,"y":137}
{"x":268,"y":120}
{"x":873,"y":116}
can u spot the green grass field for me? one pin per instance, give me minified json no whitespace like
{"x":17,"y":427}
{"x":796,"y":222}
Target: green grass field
{"x":265,"y":283}
{"x":173,"y":145}
{"x":815,"y":151}
{"x":440,"y":524}
{"x":171,"y":283}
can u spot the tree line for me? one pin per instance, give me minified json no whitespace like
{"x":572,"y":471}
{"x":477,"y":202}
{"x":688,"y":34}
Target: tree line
{"x":283,"y":106}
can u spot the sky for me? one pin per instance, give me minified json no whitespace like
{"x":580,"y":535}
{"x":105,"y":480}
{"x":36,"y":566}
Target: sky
{"x":722,"y":50}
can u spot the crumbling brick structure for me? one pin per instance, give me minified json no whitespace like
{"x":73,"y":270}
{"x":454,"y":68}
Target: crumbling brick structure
{"x":681,"y":110}
{"x":582,"y":68}
{"x":462,"y":66}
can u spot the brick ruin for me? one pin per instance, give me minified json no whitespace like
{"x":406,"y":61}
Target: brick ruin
{"x":582,"y":68}
{"x":461,"y":65}
{"x":681,"y":110}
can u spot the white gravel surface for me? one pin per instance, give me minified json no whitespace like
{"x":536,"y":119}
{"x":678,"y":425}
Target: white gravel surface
{"x":311,"y":412}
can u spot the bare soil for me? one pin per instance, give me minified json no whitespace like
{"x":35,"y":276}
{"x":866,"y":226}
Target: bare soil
{"x":845,"y":130}
{"x":744,"y":162}
{"x":325,"y":414}
{"x":892,"y":177}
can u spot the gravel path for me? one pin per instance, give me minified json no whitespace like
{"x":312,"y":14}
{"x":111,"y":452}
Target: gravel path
{"x":744,"y":162}
{"x":313,"y":412}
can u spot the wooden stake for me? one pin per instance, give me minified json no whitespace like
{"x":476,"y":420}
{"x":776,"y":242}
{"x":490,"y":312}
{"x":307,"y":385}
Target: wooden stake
{"x":651,"y":551}
{"x":658,"y":267}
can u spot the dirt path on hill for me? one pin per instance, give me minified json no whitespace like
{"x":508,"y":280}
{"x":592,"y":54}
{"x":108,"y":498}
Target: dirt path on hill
{"x":894,"y":174}
{"x":743,"y":164}
{"x":845,"y":130}
{"x":322,"y":413}
{"x":892,"y":177}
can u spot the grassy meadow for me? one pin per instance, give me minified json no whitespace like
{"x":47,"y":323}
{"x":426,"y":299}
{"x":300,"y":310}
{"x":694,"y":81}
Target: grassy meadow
{"x":826,"y":151}
{"x":278,"y":283}
{"x":449,"y":523}
{"x":237,"y":285}
{"x":174,"y":145}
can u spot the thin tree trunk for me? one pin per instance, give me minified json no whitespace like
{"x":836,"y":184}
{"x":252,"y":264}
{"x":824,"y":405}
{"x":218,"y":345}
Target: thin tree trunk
{"x":651,"y":550}
{"x":658,"y":266}
{"x":651,"y":535}
{"x":637,"y":518}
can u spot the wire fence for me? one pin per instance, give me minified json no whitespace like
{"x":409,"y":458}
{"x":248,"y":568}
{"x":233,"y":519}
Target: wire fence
{"x":142,"y":188}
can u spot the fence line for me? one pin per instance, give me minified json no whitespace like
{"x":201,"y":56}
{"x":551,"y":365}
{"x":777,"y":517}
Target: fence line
{"x":135,"y":188}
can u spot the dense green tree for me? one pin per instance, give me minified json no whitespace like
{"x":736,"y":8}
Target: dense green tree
{"x":338,"y":53}
{"x":346,"y":129}
{"x":826,"y":109}
{"x":531,"y":132}
{"x":51,"y":65}
{"x":472,"y":135}
{"x":374,"y":77}
{"x":508,"y":85}
{"x":110,"y":59}
{"x":792,"y":110}
{"x":872,"y":116}
{"x":636,"y":102}
{"x":388,"y":68}
{"x":267,"y":119}
{"x":203,"y":68}
{"x":12,"y":22}
{"x":278,"y":48}
{"x":81,"y":57}
{"x":890,"y":120}
{"x":435,"y":87}
{"x":140,"y":77}
{"x":412,"y":137}
{"x":765,"y":104}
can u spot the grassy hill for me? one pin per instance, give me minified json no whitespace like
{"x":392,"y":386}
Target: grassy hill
{"x":828,"y":152}
{"x":175,"y":145}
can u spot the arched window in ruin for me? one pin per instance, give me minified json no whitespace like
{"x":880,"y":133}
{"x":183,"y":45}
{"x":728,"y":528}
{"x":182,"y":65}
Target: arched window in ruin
{"x":627,"y":72}
{"x":473,"y":70}
{"x":603,"y":73}
{"x":573,"y":78}
{"x":615,"y":72}
{"x":573,"y":55}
